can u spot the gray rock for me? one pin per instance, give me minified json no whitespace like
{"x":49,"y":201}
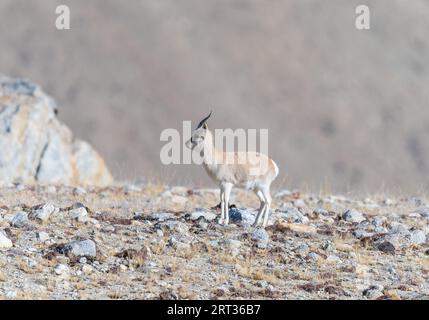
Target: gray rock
{"x":81,"y":248}
{"x":314,"y":256}
{"x":327,"y":246}
{"x":352,"y":215}
{"x":176,"y":226}
{"x":418,"y":237}
{"x":320,"y":212}
{"x":79,"y":213}
{"x":292,"y":215}
{"x":61,"y":269}
{"x":42,"y":236}
{"x":261,"y":237}
{"x":302,"y":250}
{"x":422,"y":211}
{"x":387,"y":247}
{"x":209,"y":216}
{"x":19,"y":220}
{"x":5,"y":242}
{"x":44,"y":212}
{"x":48,"y":154}
{"x":373,"y":292}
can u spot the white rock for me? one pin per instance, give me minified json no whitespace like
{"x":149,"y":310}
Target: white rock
{"x":5,"y":242}
{"x":209,"y":216}
{"x":352,"y":215}
{"x":87,"y":269}
{"x":418,"y":237}
{"x":36,"y":146}
{"x":80,"y":214}
{"x":42,"y":236}
{"x":61,"y":269}
{"x":44,"y":212}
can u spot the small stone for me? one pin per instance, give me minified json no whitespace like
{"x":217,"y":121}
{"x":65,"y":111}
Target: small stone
{"x":313,"y":256}
{"x":44,"y":212}
{"x":61,"y":269}
{"x":333,"y":259}
{"x":327,"y":246}
{"x":81,"y":248}
{"x":418,"y":237}
{"x":5,"y":242}
{"x":352,"y":215}
{"x":123,"y":268}
{"x":261,"y":237}
{"x":83,"y":260}
{"x":160,"y":233}
{"x":302,"y":250}
{"x":292,"y":215}
{"x":209,"y":216}
{"x":176,"y":226}
{"x":235,"y":215}
{"x":386,"y":247}
{"x":373,"y":291}
{"x":422,"y":211}
{"x":87,"y":269}
{"x":42,"y":236}
{"x":320,"y":212}
{"x":19,"y":220}
{"x":79,"y":213}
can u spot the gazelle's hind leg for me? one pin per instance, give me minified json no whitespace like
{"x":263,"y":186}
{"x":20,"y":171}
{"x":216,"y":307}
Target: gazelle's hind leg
{"x":222,"y":206}
{"x":268,"y":199}
{"x":227,"y":193}
{"x":259,"y":216}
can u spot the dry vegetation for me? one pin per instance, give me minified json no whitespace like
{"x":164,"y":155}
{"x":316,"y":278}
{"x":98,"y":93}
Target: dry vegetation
{"x":149,"y":247}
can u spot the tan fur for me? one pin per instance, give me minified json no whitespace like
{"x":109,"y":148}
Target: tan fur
{"x":250,"y":170}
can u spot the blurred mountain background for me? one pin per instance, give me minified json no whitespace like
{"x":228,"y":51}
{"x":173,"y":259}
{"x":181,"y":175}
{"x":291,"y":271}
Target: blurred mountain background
{"x":346,"y":109}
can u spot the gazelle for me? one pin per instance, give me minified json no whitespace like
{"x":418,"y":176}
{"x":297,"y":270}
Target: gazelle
{"x":228,"y":169}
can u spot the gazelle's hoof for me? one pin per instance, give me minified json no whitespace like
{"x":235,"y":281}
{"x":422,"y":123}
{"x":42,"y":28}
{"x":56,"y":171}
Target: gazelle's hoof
{"x":255,"y":224}
{"x":221,"y":221}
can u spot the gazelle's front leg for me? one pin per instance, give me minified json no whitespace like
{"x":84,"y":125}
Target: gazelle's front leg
{"x":222,"y":207}
{"x":227,"y":193}
{"x":259,"y":216}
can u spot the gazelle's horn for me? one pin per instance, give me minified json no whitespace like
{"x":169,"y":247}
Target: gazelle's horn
{"x":204,"y":120}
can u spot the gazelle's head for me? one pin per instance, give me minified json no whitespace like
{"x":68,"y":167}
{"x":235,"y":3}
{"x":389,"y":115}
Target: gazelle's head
{"x":198,"y":135}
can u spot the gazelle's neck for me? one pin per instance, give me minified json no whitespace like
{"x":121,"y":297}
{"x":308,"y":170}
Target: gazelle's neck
{"x":210,"y":152}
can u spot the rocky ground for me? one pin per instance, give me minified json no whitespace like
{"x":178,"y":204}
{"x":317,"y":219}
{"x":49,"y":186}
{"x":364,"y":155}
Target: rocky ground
{"x":156,"y":242}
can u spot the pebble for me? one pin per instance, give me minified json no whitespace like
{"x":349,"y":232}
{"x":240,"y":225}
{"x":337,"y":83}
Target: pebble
{"x":5,"y":242}
{"x":61,"y":269}
{"x":373,"y":291}
{"x":261,"y":237}
{"x":81,"y":248}
{"x":44,"y":212}
{"x":352,"y":215}
{"x":42,"y":236}
{"x":418,"y":237}
{"x":19,"y":220}
{"x":293,"y":215}
{"x":302,"y":250}
{"x":79,"y":213}
{"x":87,"y":269}
{"x":209,"y":216}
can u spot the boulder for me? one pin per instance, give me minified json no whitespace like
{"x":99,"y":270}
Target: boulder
{"x":36,"y":146}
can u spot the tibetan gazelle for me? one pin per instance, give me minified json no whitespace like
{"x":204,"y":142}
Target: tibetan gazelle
{"x":228,"y":169}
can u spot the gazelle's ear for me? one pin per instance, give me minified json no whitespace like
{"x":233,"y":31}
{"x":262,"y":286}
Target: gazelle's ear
{"x":205,"y":126}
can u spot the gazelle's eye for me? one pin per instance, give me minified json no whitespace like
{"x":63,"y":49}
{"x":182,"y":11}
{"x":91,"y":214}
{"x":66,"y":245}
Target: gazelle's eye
{"x":202,"y":137}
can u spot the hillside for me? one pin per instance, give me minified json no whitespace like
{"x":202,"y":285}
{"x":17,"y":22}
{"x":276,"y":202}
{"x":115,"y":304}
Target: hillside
{"x":345,"y":108}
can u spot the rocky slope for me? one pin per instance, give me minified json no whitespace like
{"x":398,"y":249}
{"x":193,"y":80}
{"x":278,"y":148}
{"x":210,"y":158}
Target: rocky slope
{"x":36,"y":147}
{"x":156,"y":242}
